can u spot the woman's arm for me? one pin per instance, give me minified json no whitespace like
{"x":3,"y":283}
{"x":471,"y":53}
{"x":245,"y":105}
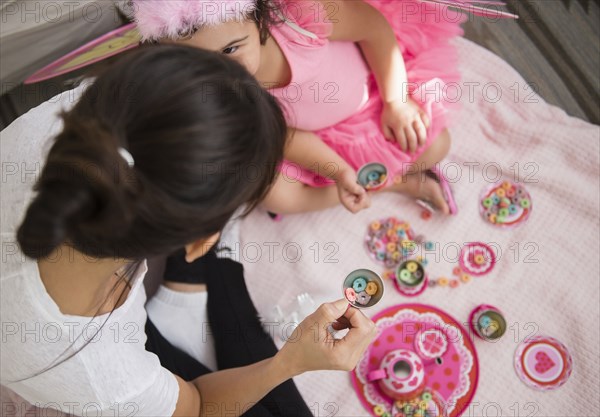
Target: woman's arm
{"x":359,"y":22}
{"x":232,"y":391}
{"x":311,"y":347}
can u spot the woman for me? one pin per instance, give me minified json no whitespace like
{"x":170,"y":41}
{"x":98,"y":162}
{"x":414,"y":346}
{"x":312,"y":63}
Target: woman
{"x":153,"y":157}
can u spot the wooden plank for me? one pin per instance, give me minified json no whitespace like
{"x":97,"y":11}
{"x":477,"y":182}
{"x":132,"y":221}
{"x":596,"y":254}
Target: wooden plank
{"x":574,"y":33}
{"x":544,"y":23}
{"x":507,"y":39}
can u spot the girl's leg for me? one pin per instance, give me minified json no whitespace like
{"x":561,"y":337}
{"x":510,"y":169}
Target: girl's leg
{"x":435,"y":153}
{"x":416,"y":183}
{"x":289,"y":196}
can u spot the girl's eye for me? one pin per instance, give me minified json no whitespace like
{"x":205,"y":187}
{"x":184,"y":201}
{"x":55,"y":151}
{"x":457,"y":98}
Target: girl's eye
{"x":230,"y":50}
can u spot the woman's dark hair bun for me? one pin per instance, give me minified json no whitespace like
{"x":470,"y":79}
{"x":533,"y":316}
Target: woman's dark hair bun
{"x":206,"y":139}
{"x":86,"y":188}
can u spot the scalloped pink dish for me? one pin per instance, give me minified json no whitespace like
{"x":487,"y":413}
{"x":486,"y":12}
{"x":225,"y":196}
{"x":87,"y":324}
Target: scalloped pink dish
{"x":451,"y":378}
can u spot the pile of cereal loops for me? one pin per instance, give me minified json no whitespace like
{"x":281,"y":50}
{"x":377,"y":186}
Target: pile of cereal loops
{"x":361,"y":291}
{"x":505,"y":201}
{"x":460,"y":277}
{"x":421,"y":406}
{"x":375,"y":179}
{"x":390,"y":241}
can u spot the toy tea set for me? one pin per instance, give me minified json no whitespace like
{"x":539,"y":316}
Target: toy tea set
{"x":423,"y":362}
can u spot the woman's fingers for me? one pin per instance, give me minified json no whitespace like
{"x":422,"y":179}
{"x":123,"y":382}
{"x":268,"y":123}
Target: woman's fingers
{"x":360,"y":325}
{"x":355,"y":342}
{"x":314,"y":347}
{"x":330,"y":312}
{"x":341,"y":324}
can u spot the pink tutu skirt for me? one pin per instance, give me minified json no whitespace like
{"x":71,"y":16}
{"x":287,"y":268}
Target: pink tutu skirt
{"x":424,"y":32}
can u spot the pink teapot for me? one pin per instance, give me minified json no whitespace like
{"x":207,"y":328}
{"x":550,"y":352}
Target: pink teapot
{"x":401,"y":375}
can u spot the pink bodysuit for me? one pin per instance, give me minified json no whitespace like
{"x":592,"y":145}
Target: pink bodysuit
{"x":333,"y":93}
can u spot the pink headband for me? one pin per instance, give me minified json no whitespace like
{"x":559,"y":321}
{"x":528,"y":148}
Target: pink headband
{"x":174,"y":18}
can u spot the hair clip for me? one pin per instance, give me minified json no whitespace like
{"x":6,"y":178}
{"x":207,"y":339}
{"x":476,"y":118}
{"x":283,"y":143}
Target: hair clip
{"x":126,"y":156}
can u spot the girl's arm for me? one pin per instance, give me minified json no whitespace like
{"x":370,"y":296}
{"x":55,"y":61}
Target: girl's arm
{"x":309,"y":151}
{"x":311,"y":347}
{"x":359,"y":22}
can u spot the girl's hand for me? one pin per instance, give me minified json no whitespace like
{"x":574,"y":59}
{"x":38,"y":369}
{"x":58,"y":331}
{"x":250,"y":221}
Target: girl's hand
{"x":405,"y":123}
{"x":312,"y":347}
{"x":352,"y":195}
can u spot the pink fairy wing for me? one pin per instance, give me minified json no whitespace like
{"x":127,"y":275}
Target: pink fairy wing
{"x":110,"y":44}
{"x":475,"y":10}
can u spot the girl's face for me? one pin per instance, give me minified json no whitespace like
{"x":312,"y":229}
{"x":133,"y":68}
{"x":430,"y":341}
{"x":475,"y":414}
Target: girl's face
{"x":238,"y":40}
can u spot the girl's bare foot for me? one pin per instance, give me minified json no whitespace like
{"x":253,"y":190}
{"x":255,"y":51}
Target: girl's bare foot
{"x":422,"y":186}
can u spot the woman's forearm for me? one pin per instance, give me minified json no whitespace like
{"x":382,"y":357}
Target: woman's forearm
{"x":311,"y":347}
{"x":234,"y":391}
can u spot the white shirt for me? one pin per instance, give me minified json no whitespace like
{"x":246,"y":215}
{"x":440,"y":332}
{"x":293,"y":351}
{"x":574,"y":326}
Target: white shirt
{"x":111,"y":375}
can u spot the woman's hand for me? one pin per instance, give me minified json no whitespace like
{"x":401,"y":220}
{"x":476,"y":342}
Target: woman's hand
{"x":405,"y":123}
{"x":312,"y":347}
{"x":352,"y":195}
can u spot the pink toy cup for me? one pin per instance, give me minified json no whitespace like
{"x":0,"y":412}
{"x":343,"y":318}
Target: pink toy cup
{"x":487,"y":322}
{"x":372,"y":176}
{"x":401,"y":375}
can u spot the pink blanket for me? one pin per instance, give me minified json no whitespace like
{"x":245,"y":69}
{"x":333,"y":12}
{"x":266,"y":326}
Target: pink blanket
{"x":546,"y":278}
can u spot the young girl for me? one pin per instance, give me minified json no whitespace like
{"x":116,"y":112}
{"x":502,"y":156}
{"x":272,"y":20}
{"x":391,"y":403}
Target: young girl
{"x":356,"y":88}
{"x":143,"y":166}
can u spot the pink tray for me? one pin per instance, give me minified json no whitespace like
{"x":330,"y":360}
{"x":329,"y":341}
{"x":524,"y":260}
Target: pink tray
{"x":454,"y":381}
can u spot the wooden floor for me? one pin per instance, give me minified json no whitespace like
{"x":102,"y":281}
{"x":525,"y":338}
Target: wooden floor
{"x":555,"y":45}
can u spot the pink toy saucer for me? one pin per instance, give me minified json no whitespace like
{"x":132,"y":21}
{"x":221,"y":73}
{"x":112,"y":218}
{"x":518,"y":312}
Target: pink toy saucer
{"x":543,"y":363}
{"x":477,"y":258}
{"x":505,"y":204}
{"x":451,"y":378}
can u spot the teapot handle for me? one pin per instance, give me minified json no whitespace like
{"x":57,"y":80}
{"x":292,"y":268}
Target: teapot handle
{"x":376,"y":375}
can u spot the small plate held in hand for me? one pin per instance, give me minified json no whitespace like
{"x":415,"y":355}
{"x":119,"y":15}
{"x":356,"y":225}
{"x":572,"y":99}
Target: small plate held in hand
{"x":363,"y":288}
{"x":372,"y":176}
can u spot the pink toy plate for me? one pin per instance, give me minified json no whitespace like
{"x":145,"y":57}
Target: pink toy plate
{"x":477,"y":251}
{"x":452,"y":379}
{"x":505,"y":204}
{"x":543,"y":363}
{"x":113,"y":43}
